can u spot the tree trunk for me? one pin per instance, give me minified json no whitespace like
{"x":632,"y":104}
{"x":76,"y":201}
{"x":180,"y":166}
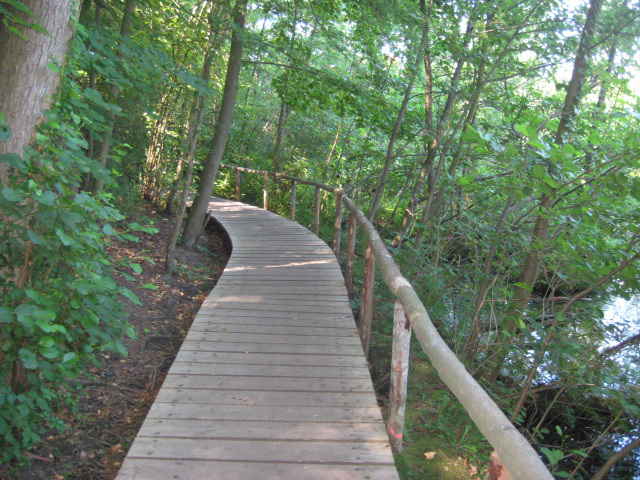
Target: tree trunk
{"x":207,"y":179}
{"x":26,"y":82}
{"x":284,"y":112}
{"x":114,"y":91}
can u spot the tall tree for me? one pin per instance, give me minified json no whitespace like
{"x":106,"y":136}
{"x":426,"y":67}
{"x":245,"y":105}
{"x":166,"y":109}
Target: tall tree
{"x":198,"y":211}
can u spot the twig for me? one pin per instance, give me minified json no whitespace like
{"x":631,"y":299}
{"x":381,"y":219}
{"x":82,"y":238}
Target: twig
{"x":38,"y":457}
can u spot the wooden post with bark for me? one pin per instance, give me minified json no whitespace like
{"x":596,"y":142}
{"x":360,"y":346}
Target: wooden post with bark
{"x":265,"y":192}
{"x":238,"y":193}
{"x":399,"y":375}
{"x":316,"y":211}
{"x":351,"y":250}
{"x":293,"y":201}
{"x":366,"y":310}
{"x":337,"y":230}
{"x":497,"y":469}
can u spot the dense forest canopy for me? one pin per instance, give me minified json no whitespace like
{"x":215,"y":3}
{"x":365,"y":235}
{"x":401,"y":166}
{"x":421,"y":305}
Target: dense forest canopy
{"x":494,"y":144}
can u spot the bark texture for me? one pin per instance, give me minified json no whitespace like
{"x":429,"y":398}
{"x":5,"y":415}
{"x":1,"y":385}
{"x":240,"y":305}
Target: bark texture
{"x":26,"y":82}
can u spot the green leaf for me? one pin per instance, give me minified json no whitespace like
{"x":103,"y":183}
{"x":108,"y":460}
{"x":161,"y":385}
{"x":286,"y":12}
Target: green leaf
{"x":539,"y":171}
{"x":64,"y":238}
{"x":150,"y":286}
{"x":470,"y":135}
{"x":46,"y":342}
{"x":12,"y":160}
{"x":551,"y":182}
{"x":81,"y":199}
{"x":125,"y":292}
{"x":70,"y":357}
{"x":120,"y":348}
{"x":47,"y":198}
{"x":35,"y":238}
{"x":522,"y":129}
{"x":49,"y":352}
{"x":5,"y":131}
{"x":11,"y":195}
{"x":6,"y":315}
{"x":18,"y":5}
{"x":524,"y":285}
{"x":554,"y":456}
{"x":136,"y":267}
{"x":44,"y":324}
{"x":108,"y":229}
{"x":29,"y":359}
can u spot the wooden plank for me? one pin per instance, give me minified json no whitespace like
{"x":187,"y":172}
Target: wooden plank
{"x":226,"y":307}
{"x":276,"y":384}
{"x":266,"y":451}
{"x":205,"y":321}
{"x":215,"y":301}
{"x":273,"y":329}
{"x":299,"y":290}
{"x":268,"y":370}
{"x":265,"y":413}
{"x":254,"y":397}
{"x":272,"y":348}
{"x":258,"y":430}
{"x":154,"y":469}
{"x":279,"y":339}
{"x":270,"y":359}
{"x":345,"y":319}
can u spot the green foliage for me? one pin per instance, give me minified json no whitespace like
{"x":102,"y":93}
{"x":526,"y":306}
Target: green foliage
{"x":61,"y":304}
{"x":14,"y":12}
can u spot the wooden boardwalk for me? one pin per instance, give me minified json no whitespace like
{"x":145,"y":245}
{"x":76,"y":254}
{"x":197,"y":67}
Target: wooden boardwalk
{"x":271,"y":381}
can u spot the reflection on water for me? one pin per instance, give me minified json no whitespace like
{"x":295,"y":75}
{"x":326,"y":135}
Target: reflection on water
{"x":624,"y":317}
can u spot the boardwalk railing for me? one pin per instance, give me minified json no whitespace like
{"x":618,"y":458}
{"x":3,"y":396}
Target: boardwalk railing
{"x":514,"y":457}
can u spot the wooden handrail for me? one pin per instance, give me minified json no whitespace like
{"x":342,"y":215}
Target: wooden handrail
{"x":517,"y":454}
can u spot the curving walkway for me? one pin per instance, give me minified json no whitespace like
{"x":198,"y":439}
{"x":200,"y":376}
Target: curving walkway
{"x":271,"y":381}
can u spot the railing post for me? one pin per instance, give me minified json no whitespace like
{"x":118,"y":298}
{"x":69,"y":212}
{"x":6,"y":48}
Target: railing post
{"x":399,"y":375}
{"x":497,"y":469}
{"x":293,"y":201}
{"x":351,"y":250}
{"x":238,"y":196}
{"x":366,"y":310}
{"x":265,"y":194}
{"x":337,"y":230}
{"x":316,"y":212}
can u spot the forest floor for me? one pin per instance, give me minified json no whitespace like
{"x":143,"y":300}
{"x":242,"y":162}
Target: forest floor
{"x":112,"y":400}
